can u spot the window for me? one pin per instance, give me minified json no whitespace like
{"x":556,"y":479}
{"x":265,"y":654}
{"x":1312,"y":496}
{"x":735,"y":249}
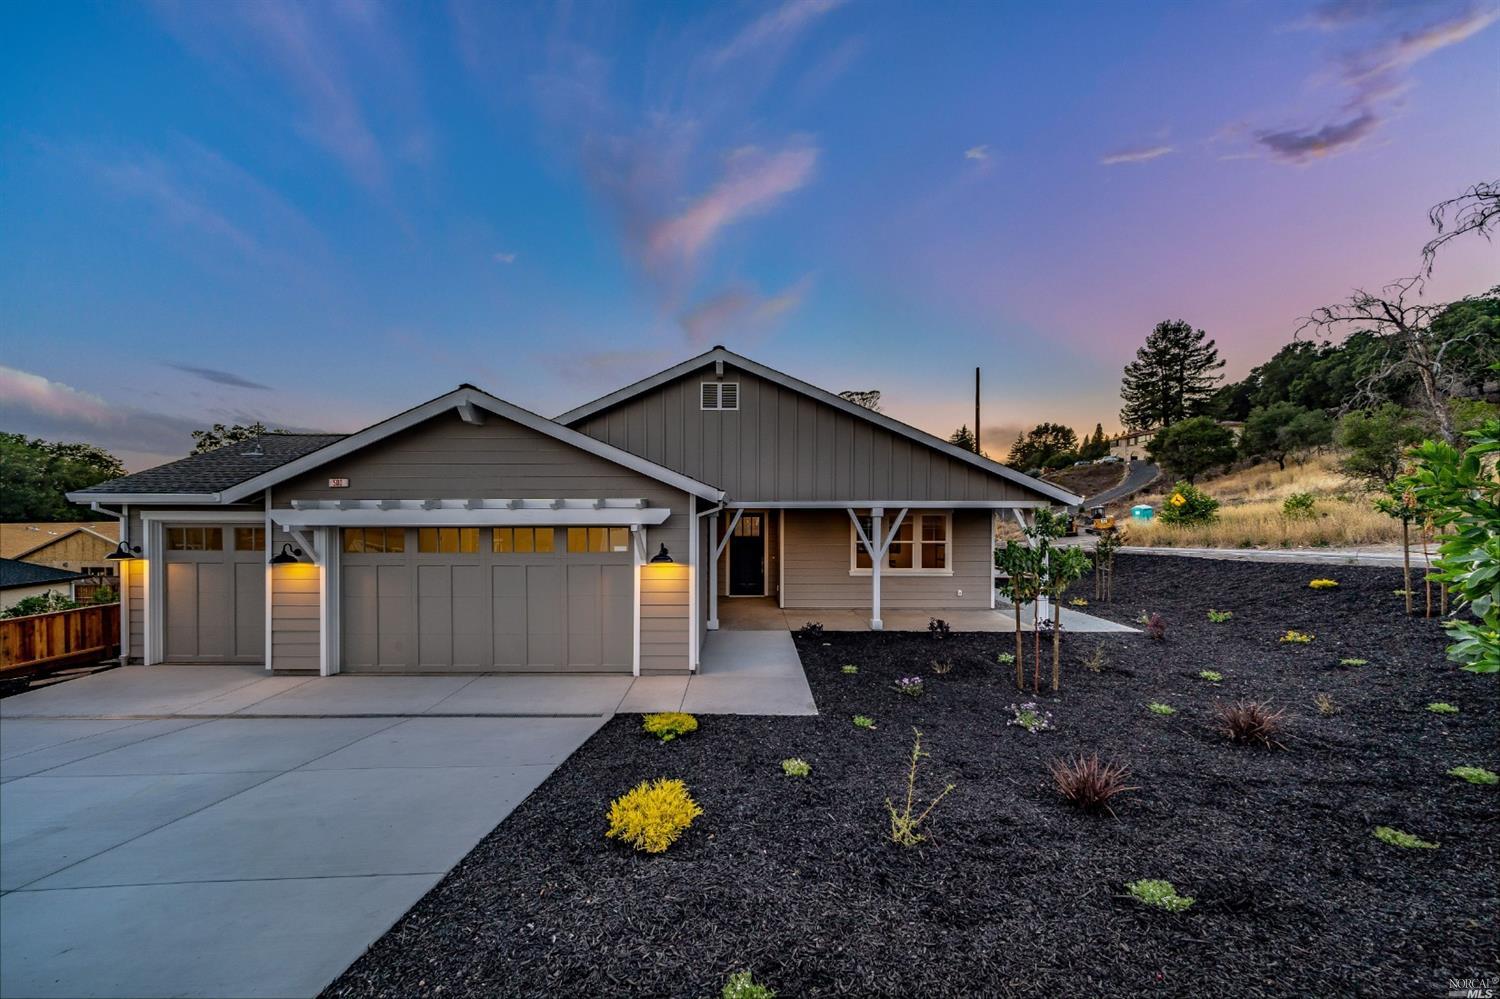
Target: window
{"x":448,"y":540}
{"x":249,"y":539}
{"x":919,"y":547}
{"x":521,"y":540}
{"x":721,"y":395}
{"x":375,"y":540}
{"x":598,"y":539}
{"x":195,"y":539}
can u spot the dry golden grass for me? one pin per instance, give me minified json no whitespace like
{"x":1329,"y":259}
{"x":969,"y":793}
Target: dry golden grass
{"x":1251,"y":517}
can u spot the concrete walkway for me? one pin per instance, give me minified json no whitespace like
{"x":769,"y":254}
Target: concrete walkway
{"x":760,"y":614}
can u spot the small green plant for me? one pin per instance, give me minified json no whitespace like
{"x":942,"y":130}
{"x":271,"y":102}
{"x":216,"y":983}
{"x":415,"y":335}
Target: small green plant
{"x":942,"y":667}
{"x":939,"y":629}
{"x":911,"y":686}
{"x":1442,"y":708}
{"x":1030,"y":717}
{"x":742,"y":986}
{"x":1351,"y":663}
{"x":904,"y":825}
{"x":652,"y":815}
{"x":1405,"y":840}
{"x":864,"y":721}
{"x":1218,"y":616}
{"x":1475,"y":775}
{"x":668,"y":725}
{"x":1158,"y":894}
{"x":796,"y":767}
{"x":1294,"y":637}
{"x":1325,"y":705}
{"x":1096,"y":662}
{"x":812,"y":629}
{"x":850,"y":669}
{"x":1158,"y":708}
{"x":1299,"y":506}
{"x":1078,"y":602}
{"x":1323,"y":584}
{"x":1212,"y":676}
{"x":1005,"y":658}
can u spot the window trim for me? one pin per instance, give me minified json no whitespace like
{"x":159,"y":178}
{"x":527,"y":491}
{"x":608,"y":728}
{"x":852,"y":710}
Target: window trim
{"x":718,"y":397}
{"x":917,"y":570}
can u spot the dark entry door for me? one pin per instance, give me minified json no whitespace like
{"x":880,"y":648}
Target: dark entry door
{"x":747,"y":556}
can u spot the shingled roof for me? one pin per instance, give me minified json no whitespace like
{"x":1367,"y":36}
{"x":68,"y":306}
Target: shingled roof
{"x":216,"y":470}
{"x":16,"y":573}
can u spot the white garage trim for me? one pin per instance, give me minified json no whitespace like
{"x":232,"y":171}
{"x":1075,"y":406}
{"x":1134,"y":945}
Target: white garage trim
{"x":330,"y":624}
{"x":155,"y":553}
{"x":471,"y":513}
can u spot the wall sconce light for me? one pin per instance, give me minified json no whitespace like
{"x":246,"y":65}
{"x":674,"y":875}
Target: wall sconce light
{"x":124,"y":552}
{"x":289,"y":555}
{"x":662,"y":557}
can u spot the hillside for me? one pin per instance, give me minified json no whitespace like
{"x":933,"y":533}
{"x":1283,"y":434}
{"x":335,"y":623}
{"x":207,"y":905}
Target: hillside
{"x":1087,"y":480}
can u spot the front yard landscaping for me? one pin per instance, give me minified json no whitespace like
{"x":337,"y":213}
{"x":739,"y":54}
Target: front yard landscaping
{"x":1335,"y":855}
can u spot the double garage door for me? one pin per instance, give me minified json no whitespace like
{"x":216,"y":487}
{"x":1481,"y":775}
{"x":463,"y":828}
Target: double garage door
{"x":215,"y":579}
{"x":486,"y":599}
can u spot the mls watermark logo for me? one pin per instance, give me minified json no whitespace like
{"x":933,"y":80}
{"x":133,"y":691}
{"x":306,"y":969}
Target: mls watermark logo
{"x":1473,"y":988}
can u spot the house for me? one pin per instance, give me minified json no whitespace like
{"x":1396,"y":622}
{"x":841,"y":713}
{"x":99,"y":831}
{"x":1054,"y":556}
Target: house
{"x":1130,"y":445}
{"x":20,"y":580}
{"x":468,"y":534}
{"x":76,"y":547}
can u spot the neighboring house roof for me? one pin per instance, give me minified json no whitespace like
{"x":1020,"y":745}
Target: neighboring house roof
{"x":717,"y":354}
{"x":226,"y":481}
{"x":17,"y":539}
{"x":14,"y":573}
{"x":200,"y":476}
{"x":49,"y":542}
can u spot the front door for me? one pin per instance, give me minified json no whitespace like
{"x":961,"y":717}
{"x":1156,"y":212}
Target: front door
{"x":747,"y":556}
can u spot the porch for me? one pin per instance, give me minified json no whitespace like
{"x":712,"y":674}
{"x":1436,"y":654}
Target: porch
{"x":762,"y":614}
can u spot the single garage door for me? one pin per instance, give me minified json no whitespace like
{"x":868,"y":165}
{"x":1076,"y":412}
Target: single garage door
{"x":215,"y":609}
{"x":507,"y":599}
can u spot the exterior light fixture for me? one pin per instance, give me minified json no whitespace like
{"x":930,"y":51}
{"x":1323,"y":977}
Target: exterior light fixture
{"x":124,"y":552}
{"x":662,"y":557}
{"x":289,"y":555}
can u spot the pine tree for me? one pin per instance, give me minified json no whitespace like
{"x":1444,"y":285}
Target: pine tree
{"x":1172,"y":377}
{"x":964,"y":438}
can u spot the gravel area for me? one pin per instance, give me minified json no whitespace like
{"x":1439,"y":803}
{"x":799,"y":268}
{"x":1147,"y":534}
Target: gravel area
{"x":1016,"y":893}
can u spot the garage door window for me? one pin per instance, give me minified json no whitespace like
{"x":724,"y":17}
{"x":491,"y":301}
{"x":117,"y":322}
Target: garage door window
{"x":598,"y":539}
{"x":249,"y":539}
{"x":522,"y":540}
{"x":448,"y":540}
{"x":375,"y":540}
{"x":195,"y":539}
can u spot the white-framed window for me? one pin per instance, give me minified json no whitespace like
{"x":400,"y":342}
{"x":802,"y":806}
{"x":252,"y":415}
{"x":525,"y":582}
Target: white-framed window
{"x":720,"y":395}
{"x":922,"y":545}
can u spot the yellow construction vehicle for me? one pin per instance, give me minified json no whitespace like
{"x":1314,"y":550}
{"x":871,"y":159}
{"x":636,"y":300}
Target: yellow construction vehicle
{"x":1102,"y":524}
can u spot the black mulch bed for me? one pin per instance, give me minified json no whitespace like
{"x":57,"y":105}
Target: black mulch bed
{"x":1016,"y":894}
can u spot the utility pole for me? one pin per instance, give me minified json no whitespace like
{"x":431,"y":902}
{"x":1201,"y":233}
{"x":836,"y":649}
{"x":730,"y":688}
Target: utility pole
{"x":976,"y":412}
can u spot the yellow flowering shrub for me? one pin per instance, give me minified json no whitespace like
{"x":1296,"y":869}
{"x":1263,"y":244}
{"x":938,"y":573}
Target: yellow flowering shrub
{"x":668,"y":725}
{"x":653,"y":814}
{"x":1294,"y":637}
{"x":1324,"y":584}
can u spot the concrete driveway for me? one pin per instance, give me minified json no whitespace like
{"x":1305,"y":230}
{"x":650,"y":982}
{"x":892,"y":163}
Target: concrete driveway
{"x":239,"y":855}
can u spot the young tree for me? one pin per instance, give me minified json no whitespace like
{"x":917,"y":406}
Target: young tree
{"x":1110,"y":542}
{"x":1399,"y":501}
{"x":1376,"y":443}
{"x":1063,"y":568}
{"x":1283,"y":429}
{"x":868,"y":398}
{"x":1191,"y":447}
{"x":219,"y":435}
{"x":1040,"y":445}
{"x":1022,"y":574}
{"x":36,"y":475}
{"x":1171,"y":378}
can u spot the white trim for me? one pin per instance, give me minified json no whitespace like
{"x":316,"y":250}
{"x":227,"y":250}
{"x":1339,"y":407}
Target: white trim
{"x":719,"y":355}
{"x":694,"y":527}
{"x":448,"y":517}
{"x":125,"y":588}
{"x":994,"y":570}
{"x":637,"y":542}
{"x":188,"y":499}
{"x":330,"y":624}
{"x":154,"y":548}
{"x":781,"y":559}
{"x":202,"y":516}
{"x":270,"y":584}
{"x":870,"y":503}
{"x":916,"y":543}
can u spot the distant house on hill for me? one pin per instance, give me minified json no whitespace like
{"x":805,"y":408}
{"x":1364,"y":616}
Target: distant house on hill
{"x":1130,"y":445}
{"x":76,"y":547}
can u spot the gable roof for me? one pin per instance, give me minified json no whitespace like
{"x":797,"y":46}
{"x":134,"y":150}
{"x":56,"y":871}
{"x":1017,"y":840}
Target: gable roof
{"x":14,"y":572}
{"x":17,"y":539}
{"x":581,"y":413}
{"x":227,"y":481}
{"x":54,"y":539}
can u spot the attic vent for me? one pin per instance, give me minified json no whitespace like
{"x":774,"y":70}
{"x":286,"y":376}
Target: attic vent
{"x":721,"y":395}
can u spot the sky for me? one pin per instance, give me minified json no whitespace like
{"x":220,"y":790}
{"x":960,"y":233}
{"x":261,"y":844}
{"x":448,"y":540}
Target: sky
{"x":318,"y":214}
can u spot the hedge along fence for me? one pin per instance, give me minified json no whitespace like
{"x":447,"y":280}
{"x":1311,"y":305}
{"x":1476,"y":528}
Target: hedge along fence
{"x":60,"y":638}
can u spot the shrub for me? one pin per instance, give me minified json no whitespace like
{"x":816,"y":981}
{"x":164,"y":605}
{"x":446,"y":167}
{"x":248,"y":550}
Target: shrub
{"x":1005,"y":658}
{"x":1089,"y":783}
{"x":1030,"y":717}
{"x":1078,"y":602}
{"x":1158,"y":708}
{"x":849,"y":669}
{"x":812,"y":629}
{"x":1218,"y":616}
{"x":1325,"y":705}
{"x":1353,"y":662}
{"x":1212,"y":676}
{"x":1442,"y":708}
{"x":1096,"y":661}
{"x":1188,"y":505}
{"x":1250,"y":723}
{"x":942,"y":667}
{"x":652,"y":815}
{"x":904,"y":825}
{"x":742,"y":986}
{"x":1298,"y":506}
{"x":1158,"y":894}
{"x":1156,"y":628}
{"x":668,"y":725}
{"x":1405,"y":840}
{"x":911,"y":686}
{"x":864,"y":721}
{"x":796,"y":767}
{"x":1323,"y":584}
{"x":1293,"y":637}
{"x":938,"y":628}
{"x":1474,"y":775}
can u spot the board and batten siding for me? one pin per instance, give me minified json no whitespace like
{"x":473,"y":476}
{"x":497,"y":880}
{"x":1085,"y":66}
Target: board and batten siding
{"x":447,"y":458}
{"x":817,"y":565}
{"x":783,"y":446}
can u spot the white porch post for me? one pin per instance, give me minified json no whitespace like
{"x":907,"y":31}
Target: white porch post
{"x":637,"y":558}
{"x":879,"y":556}
{"x":994,"y":571}
{"x":713,"y":572}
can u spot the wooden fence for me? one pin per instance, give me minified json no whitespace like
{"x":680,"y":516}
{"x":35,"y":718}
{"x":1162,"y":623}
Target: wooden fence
{"x":62,"y":638}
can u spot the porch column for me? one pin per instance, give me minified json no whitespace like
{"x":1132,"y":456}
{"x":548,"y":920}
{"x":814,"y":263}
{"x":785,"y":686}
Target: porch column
{"x":713,"y":572}
{"x":877,"y":557}
{"x":994,"y":571}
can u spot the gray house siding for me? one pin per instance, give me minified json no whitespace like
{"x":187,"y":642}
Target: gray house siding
{"x":782,"y":445}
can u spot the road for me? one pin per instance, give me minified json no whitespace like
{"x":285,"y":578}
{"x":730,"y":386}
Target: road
{"x":1138,"y":475}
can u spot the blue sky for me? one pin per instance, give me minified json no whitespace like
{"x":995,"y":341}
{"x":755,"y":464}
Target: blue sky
{"x":318,"y":214}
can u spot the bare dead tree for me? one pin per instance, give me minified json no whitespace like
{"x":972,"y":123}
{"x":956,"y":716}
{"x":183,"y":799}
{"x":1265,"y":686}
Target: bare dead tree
{"x":1475,"y":210}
